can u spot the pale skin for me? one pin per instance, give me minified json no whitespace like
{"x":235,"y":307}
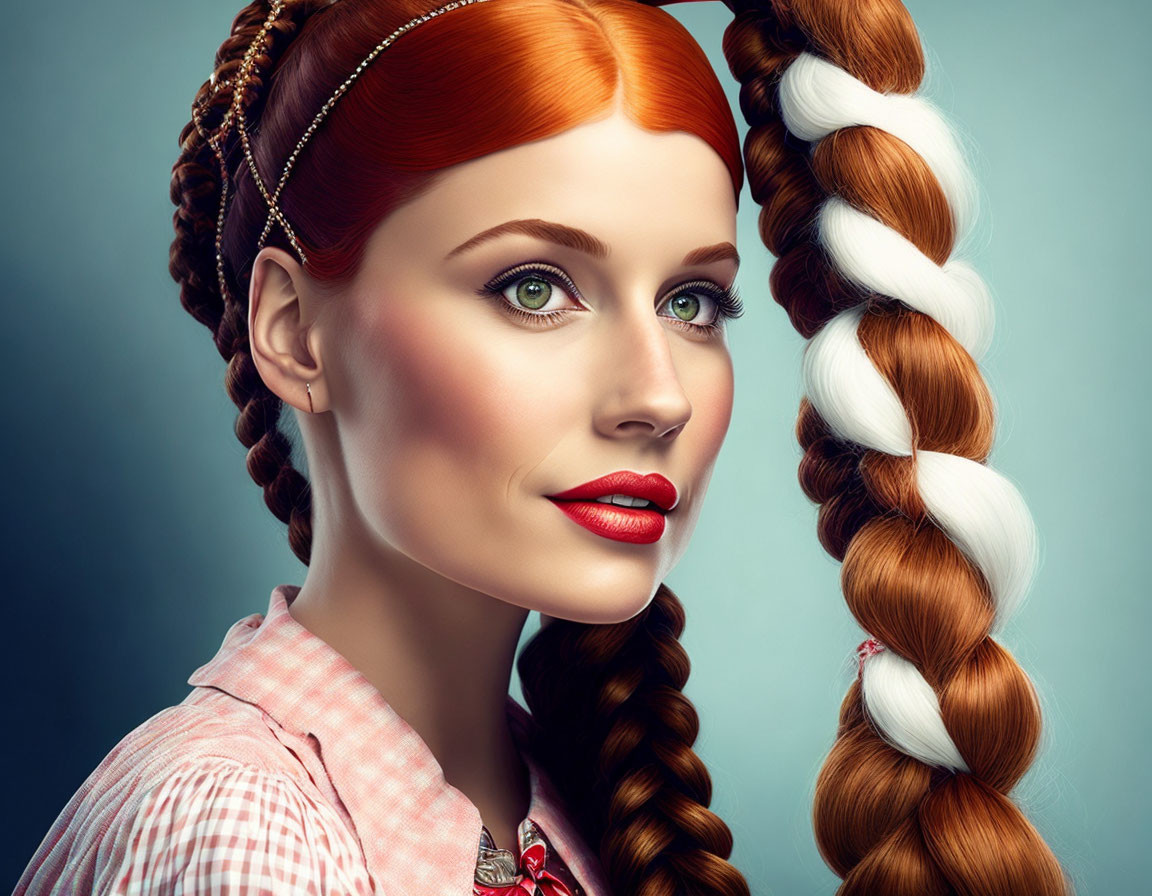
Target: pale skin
{"x":441,"y":420}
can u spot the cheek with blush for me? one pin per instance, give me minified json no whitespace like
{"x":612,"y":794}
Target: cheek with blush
{"x":459,"y":410}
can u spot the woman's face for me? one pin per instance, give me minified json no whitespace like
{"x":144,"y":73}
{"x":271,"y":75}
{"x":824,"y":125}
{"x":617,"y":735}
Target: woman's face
{"x":542,"y":317}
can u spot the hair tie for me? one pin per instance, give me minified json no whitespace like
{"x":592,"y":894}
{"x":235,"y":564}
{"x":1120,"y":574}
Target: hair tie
{"x":867,"y":649}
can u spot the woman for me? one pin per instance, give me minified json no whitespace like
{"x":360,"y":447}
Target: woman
{"x":487,"y":252}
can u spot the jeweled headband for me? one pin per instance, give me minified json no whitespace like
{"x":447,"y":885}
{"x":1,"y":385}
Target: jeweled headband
{"x":234,"y":117}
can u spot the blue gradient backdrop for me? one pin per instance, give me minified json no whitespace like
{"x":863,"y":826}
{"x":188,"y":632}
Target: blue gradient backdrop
{"x":132,"y":535}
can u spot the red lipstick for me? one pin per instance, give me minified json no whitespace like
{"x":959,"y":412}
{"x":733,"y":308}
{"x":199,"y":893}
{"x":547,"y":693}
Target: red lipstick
{"x":636,"y":525}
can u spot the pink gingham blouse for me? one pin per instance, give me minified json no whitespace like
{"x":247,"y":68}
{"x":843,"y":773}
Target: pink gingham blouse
{"x":283,"y":772}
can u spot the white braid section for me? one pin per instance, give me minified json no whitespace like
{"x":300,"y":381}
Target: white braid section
{"x":905,"y":709}
{"x":818,"y":97}
{"x":881,"y":260}
{"x":979,"y":510}
{"x":986,"y":517}
{"x":848,"y":391}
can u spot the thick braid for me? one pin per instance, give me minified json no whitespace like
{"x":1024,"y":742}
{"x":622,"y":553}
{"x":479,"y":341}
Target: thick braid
{"x":617,"y":738}
{"x":864,"y":194}
{"x":209,"y":291}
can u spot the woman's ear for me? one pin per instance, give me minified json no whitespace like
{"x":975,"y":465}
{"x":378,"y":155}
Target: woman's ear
{"x":281,"y":311}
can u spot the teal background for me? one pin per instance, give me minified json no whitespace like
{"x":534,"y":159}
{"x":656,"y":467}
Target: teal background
{"x":133,"y":536}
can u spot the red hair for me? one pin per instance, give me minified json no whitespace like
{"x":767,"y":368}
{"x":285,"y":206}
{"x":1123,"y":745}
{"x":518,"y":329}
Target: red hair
{"x":469,"y":82}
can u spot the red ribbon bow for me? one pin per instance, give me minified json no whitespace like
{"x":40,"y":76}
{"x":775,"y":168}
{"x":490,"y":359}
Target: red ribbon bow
{"x":533,"y":878}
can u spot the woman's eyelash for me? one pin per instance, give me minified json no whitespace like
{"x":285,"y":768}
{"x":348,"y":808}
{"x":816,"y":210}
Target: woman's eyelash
{"x":551,"y":274}
{"x":728,"y":302}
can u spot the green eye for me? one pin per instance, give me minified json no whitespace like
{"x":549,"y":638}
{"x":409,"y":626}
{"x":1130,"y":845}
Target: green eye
{"x":533,"y":292}
{"x":685,"y":306}
{"x":529,"y":292}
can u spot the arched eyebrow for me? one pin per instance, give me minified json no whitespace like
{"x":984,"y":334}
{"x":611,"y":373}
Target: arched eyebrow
{"x":561,"y":234}
{"x":724,"y":251}
{"x":583,"y":241}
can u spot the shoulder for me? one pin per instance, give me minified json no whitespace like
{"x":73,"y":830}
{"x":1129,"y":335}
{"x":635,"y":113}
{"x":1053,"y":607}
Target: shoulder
{"x":216,"y":826}
{"x":207,"y":723}
{"x":210,"y":786}
{"x":229,"y":828}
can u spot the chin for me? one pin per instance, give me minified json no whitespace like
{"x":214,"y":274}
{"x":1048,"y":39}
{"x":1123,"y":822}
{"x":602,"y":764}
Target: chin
{"x":601,"y":589}
{"x":598,"y":600}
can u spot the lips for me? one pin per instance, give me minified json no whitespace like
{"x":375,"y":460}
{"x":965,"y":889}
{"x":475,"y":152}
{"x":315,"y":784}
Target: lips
{"x":636,"y":525}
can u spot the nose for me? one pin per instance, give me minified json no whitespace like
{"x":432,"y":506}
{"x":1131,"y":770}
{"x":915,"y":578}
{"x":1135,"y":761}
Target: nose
{"x":642,"y":393}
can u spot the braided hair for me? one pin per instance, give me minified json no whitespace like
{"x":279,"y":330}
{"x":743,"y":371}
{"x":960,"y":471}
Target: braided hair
{"x":891,"y":817}
{"x":864,"y":196}
{"x":197,"y":189}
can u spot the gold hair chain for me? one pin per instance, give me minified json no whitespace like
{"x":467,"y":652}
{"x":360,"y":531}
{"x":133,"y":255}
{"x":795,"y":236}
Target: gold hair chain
{"x":235,"y":117}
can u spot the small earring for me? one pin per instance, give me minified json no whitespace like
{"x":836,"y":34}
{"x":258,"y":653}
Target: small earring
{"x":311,"y":409}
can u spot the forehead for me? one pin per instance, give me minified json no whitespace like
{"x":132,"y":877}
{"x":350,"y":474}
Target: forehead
{"x":632,"y":188}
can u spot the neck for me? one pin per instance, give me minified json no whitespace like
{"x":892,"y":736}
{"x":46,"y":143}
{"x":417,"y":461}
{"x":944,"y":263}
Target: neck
{"x":441,"y":654}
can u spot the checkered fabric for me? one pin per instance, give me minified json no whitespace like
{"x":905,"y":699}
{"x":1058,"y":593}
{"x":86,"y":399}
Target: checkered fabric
{"x":283,"y":772}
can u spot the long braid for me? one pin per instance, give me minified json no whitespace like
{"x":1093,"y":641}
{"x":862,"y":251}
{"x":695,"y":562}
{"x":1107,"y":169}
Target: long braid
{"x":209,"y":290}
{"x":619,"y":742}
{"x":864,"y":194}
